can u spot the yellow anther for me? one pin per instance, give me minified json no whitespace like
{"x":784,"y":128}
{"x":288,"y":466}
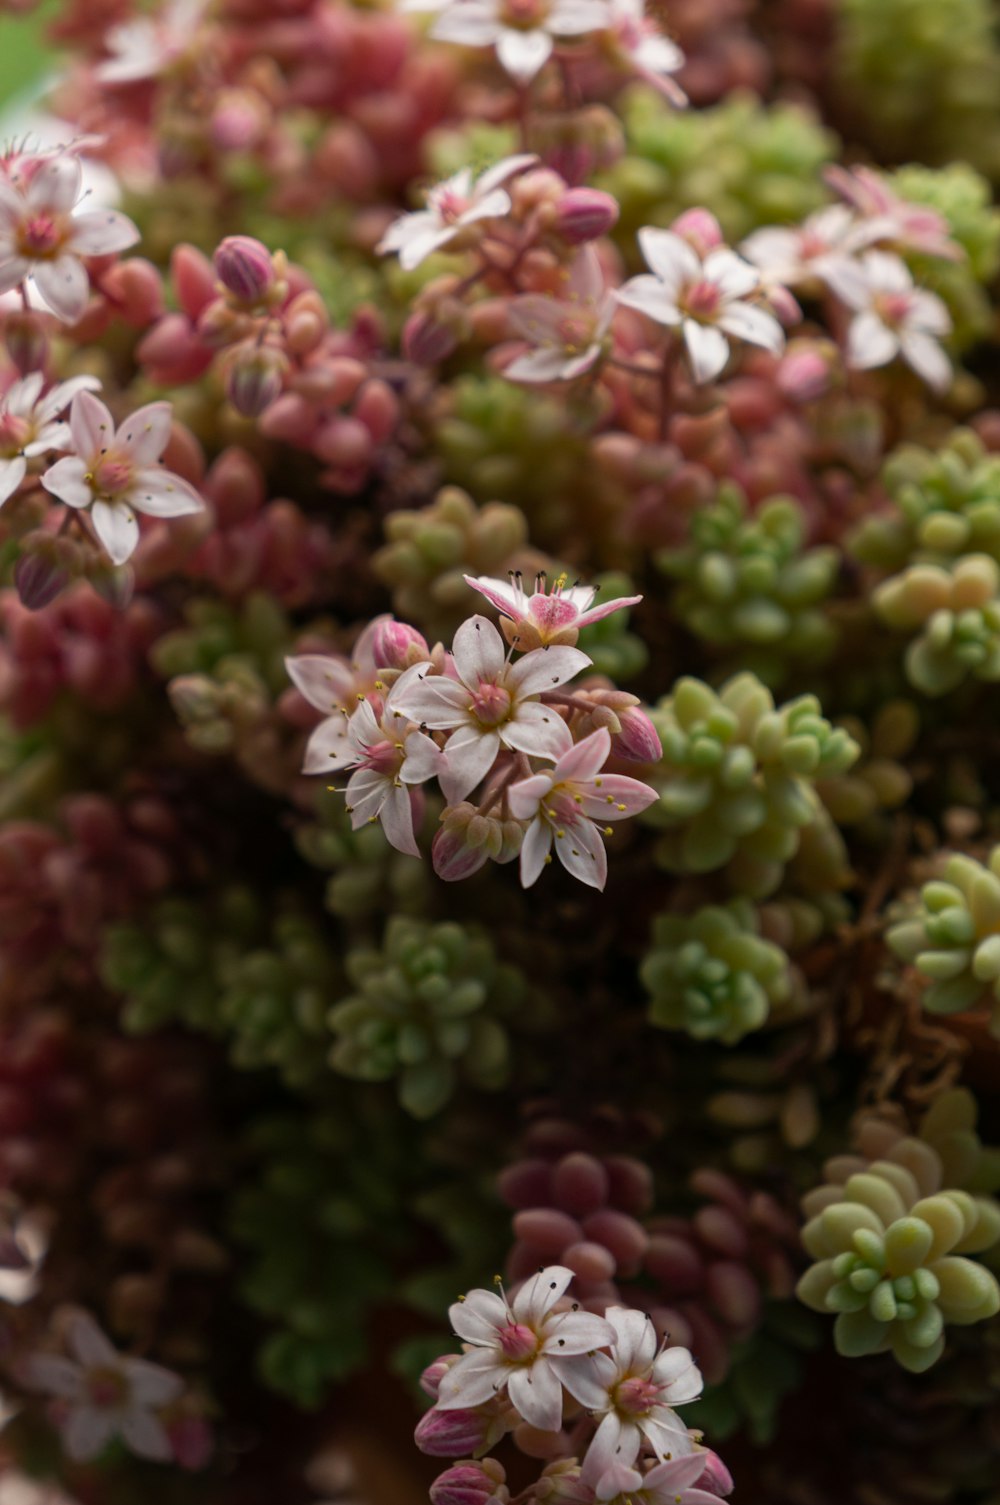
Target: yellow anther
{"x":621,"y":807}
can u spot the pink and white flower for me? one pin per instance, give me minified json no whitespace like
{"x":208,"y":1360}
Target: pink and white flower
{"x":149,"y":45}
{"x":635,"y":40}
{"x":490,"y":703}
{"x":889,"y":220}
{"x":568,"y":334}
{"x":335,"y":685}
{"x":894,"y":318}
{"x":524,"y":1347}
{"x":545,"y":617}
{"x":810,"y":253}
{"x":114,"y":473}
{"x":704,"y":299}
{"x":101,"y":1394}
{"x":670,"y":1483}
{"x":522,"y":31}
{"x":564,"y":806}
{"x":633,"y":1390}
{"x":389,"y":757}
{"x":30,"y":424}
{"x":453,"y":207}
{"x":42,"y":238}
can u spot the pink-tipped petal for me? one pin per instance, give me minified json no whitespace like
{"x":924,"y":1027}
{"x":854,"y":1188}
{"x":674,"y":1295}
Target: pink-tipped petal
{"x":92,"y":426}
{"x":582,"y":853}
{"x":145,"y":433}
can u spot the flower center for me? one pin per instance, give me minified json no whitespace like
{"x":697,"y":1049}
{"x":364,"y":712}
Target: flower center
{"x":636,"y":1396}
{"x":106,"y":1388}
{"x":381,"y":757}
{"x":40,"y":236}
{"x":112,"y":475}
{"x":576,"y":332}
{"x":450,"y":205}
{"x":702,"y":300}
{"x":14,"y":434}
{"x":518,"y":1342}
{"x":552,"y":612}
{"x":524,"y":15}
{"x":892,"y":308}
{"x":490,"y":704}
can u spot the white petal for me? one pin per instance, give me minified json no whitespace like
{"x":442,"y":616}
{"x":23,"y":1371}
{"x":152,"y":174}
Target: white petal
{"x":60,"y":397}
{"x":116,"y":526}
{"x":56,"y":184}
{"x":422,"y":759}
{"x":545,"y":668}
{"x":928,"y":360}
{"x":12,"y":473}
{"x":159,"y":493}
{"x":570,"y":1334}
{"x":537,"y":730}
{"x":467,"y":24}
{"x":396,"y":816}
{"x":478,"y":651}
{"x":522,"y":53}
{"x":92,"y":425}
{"x":103,"y":232}
{"x":870,"y":342}
{"x":325,"y":682}
{"x":534,"y":850}
{"x":474,"y":1379}
{"x":65,"y":480}
{"x":887,"y":273}
{"x":635,"y":1344}
{"x":928,"y":313}
{"x":669,"y":256}
{"x":145,"y":434}
{"x":540,"y":1293}
{"x":733,"y":276}
{"x":541,"y":366}
{"x":86,"y":1432}
{"x":64,"y":285}
{"x":587,"y":1377}
{"x":434,"y":700}
{"x":651,"y":297}
{"x":493,"y":205}
{"x":755,"y":325}
{"x":329,"y":749}
{"x":707,"y":348}
{"x":502,"y":171}
{"x":608,"y":1445}
{"x":582,"y":853}
{"x":506,"y":597}
{"x":54,"y":1375}
{"x":146,"y":1436}
{"x":478,"y":1318}
{"x":537,"y":1395}
{"x":151,"y":1384}
{"x":676,"y":1369}
{"x":365,"y":794}
{"x":469,"y":755}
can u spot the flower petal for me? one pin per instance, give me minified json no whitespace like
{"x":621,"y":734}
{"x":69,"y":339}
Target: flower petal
{"x":635,"y":1338}
{"x":582,"y":853}
{"x":755,"y":325}
{"x":64,"y":285}
{"x":151,"y":1384}
{"x":474,"y":1379}
{"x":146,"y":1436}
{"x":707,"y":348}
{"x":618,"y":798}
{"x":537,"y":730}
{"x":421,"y":759}
{"x":53,"y":1375}
{"x":478,"y":1318}
{"x":586,"y":759}
{"x":159,"y":493}
{"x":86,"y":1432}
{"x":534,"y":851}
{"x":540,"y":1293}
{"x":396,"y":816}
{"x":103,"y":232}
{"x":478,"y":651}
{"x":65,"y":480}
{"x":145,"y":434}
{"x":537,"y":1395}
{"x":569,"y":1334}
{"x":326,"y":682}
{"x":545,"y":668}
{"x":523,"y":53}
{"x":116,"y":526}
{"x":92,"y":425}
{"x":56,"y":184}
{"x":469,"y":754}
{"x":12,"y":473}
{"x":870,"y":342}
{"x":329,"y":749}
{"x":669,"y":256}
{"x":928,"y":360}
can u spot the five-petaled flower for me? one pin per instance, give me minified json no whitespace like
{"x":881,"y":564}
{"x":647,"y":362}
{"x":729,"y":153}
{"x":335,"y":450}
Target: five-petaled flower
{"x":388,"y":756}
{"x":30,"y":425}
{"x":522,"y":31}
{"x":704,"y":299}
{"x":41,"y":237}
{"x":669,"y":1483}
{"x":633,"y":1391}
{"x":567,"y":334}
{"x":490,"y":703}
{"x":545,"y":617}
{"x":453,"y":207}
{"x":100,"y":1394}
{"x":894,"y":318}
{"x":564,"y":806}
{"x":335,"y":685}
{"x":525,"y":1347}
{"x":114,"y":472}
{"x":807,"y":254}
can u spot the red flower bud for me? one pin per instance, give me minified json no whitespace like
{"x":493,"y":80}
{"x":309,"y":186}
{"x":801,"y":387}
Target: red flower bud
{"x":244,"y":267}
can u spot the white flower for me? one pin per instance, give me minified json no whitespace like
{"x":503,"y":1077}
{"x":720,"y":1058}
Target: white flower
{"x":104,"y":1395}
{"x":522,"y":31}
{"x":149,"y":45}
{"x":704,"y":299}
{"x":29,"y":424}
{"x":113,"y":472}
{"x":888,"y":220}
{"x":546,"y":617}
{"x":633,"y":1391}
{"x":452,"y":207}
{"x":567,"y":333}
{"x":41,"y":237}
{"x":564,"y":805}
{"x":491,"y":703}
{"x":894,"y":318}
{"x":524,"y":1347}
{"x":335,"y":685}
{"x":665,"y":1484}
{"x":636,"y":39}
{"x":387,"y":756}
{"x":811,"y":252}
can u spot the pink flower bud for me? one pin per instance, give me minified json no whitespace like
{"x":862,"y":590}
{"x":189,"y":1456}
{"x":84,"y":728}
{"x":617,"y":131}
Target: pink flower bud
{"x":638,"y":740}
{"x":700,"y":229}
{"x":716,"y":1479}
{"x":397,"y":645}
{"x":244,"y":267}
{"x":451,"y":1434}
{"x":191,"y":1441}
{"x":428,"y":338}
{"x":255,"y":379}
{"x":584,"y":214}
{"x":470,"y":1484}
{"x":26,"y":340}
{"x":193,"y":279}
{"x":306,"y":322}
{"x":430,"y":1380}
{"x":804,"y":373}
{"x":39,"y":578}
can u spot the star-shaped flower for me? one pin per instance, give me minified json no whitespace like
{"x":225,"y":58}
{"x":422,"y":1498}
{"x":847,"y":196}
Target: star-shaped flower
{"x":545,"y":617}
{"x":30,"y":424}
{"x":894,"y":318}
{"x":453,"y":207}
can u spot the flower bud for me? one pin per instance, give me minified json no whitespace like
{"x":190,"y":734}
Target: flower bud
{"x":716,"y":1479}
{"x":397,"y":645}
{"x":430,"y":1380}
{"x":40,"y":576}
{"x":26,"y":340}
{"x":584,"y":214}
{"x":451,"y":1434}
{"x":431,"y":335}
{"x":470,"y":1484}
{"x":244,"y":267}
{"x":805,"y":371}
{"x":255,"y":379}
{"x":638,"y":740}
{"x":455,"y":857}
{"x":700,"y":228}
